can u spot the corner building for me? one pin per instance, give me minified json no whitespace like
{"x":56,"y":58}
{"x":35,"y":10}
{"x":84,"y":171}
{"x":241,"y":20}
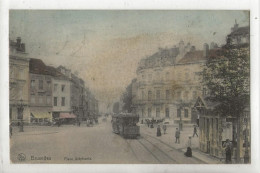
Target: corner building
{"x":168,"y":83}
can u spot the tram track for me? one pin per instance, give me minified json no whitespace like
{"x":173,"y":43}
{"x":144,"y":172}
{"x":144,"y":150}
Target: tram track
{"x":158,"y":154}
{"x":158,"y":148}
{"x":180,"y":153}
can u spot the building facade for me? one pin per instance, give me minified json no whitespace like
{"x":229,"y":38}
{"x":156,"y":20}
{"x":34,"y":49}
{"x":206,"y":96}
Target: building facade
{"x":169,"y":82}
{"x":18,"y":82}
{"x":40,"y":92}
{"x":61,"y":95}
{"x":82,"y":102}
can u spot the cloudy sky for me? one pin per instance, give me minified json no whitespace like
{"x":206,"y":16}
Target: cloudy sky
{"x":104,"y":47}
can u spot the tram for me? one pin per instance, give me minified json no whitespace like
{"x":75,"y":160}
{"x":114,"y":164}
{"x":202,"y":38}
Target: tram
{"x":124,"y":124}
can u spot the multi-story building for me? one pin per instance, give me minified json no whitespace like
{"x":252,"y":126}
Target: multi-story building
{"x":40,"y":92}
{"x":83,"y":104}
{"x":168,"y":83}
{"x":19,"y":82}
{"x":61,"y":95}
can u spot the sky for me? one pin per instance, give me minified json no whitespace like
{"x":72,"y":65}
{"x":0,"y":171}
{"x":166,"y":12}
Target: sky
{"x":104,"y":47}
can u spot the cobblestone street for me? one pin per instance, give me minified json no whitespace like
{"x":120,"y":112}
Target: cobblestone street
{"x":97,"y":144}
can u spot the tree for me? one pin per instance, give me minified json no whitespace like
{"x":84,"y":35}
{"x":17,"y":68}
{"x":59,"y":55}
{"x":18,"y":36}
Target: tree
{"x":226,"y":76}
{"x":127,"y":99}
{"x":116,"y":107}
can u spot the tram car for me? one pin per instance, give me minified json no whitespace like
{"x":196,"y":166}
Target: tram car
{"x":124,"y":124}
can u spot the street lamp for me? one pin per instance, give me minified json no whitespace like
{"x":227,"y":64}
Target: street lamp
{"x":180,"y":122}
{"x":20,"y":108}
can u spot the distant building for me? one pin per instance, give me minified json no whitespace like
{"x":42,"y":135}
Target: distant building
{"x":61,"y":95}
{"x":82,"y":102}
{"x":18,"y":81}
{"x":239,"y":35}
{"x":40,"y":92}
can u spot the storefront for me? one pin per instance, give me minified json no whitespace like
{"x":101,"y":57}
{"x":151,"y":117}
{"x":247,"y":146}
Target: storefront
{"x":40,"y":117}
{"x":216,"y":131}
{"x":67,"y":118}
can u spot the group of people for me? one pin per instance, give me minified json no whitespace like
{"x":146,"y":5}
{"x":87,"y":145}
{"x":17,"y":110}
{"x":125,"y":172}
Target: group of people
{"x":188,"y":153}
{"x":159,"y":130}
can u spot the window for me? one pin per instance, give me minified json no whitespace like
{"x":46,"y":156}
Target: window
{"x":62,"y":88}
{"x":55,"y":87}
{"x":186,"y":113}
{"x":150,"y":77}
{"x":167,"y":112}
{"x":63,"y":101}
{"x":167,"y":94}
{"x":48,"y":100}
{"x":149,"y":95}
{"x":157,"y":76}
{"x":40,"y":84}
{"x":158,"y":94}
{"x":186,"y":94}
{"x":178,"y":112}
{"x":21,"y":73}
{"x":179,"y":95}
{"x":49,"y":85}
{"x":204,"y":92}
{"x":149,"y":112}
{"x":55,"y":101}
{"x":21,"y":92}
{"x":143,"y":77}
{"x":187,"y":76}
{"x":40,"y":99}
{"x":32,"y":99}
{"x":167,"y":76}
{"x":157,"y":112}
{"x":32,"y":84}
{"x":142,"y":95}
{"x":179,"y":76}
{"x":142,"y":112}
{"x":194,"y":94}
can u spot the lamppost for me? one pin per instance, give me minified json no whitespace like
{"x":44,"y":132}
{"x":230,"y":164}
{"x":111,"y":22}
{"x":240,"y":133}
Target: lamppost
{"x":180,"y":122}
{"x":20,"y":108}
{"x":246,"y":155}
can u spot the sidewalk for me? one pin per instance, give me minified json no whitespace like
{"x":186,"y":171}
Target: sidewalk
{"x":169,"y":138}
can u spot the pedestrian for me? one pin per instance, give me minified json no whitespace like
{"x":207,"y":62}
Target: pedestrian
{"x":177,"y":136}
{"x":164,"y":128}
{"x":188,"y":153}
{"x":159,"y":131}
{"x":228,"y":151}
{"x":195,"y":131}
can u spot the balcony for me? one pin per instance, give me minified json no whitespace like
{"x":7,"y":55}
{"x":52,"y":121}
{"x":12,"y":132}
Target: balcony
{"x":153,"y":101}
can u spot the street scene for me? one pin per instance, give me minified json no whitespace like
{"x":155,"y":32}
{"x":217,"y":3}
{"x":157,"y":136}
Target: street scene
{"x":129,"y":87}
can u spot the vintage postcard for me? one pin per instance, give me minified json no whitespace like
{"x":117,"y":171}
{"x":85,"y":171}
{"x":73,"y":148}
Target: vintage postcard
{"x":129,"y":87}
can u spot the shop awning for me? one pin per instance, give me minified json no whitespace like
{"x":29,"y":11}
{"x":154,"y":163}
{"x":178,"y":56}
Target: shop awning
{"x":67,"y":115}
{"x":40,"y":114}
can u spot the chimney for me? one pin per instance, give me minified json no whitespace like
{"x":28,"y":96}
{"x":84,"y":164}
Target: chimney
{"x":23,"y":47}
{"x":18,"y":42}
{"x":235,"y":26}
{"x":205,"y":50}
{"x":193,"y":48}
{"x":181,"y":47}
